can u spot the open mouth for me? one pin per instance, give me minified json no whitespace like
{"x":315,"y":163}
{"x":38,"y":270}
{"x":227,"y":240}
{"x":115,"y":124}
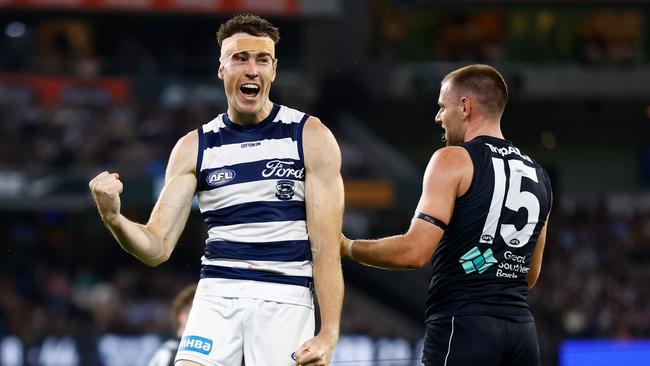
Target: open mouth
{"x":250,"y":90}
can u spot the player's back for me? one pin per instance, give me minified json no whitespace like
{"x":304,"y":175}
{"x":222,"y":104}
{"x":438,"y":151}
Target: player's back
{"x":480,"y":266}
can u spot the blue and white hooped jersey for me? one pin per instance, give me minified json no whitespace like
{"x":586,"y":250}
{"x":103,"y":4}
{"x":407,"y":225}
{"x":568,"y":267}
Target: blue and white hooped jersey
{"x":251,"y":192}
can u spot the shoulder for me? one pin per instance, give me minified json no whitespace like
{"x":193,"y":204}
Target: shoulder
{"x":450,"y":165}
{"x":188,"y":143}
{"x":319,"y":143}
{"x":450,"y":157}
{"x":185,"y":152}
{"x":315,"y":126}
{"x":316,"y":134}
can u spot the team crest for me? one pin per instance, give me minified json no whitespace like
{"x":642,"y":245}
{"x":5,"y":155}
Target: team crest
{"x":284,"y":190}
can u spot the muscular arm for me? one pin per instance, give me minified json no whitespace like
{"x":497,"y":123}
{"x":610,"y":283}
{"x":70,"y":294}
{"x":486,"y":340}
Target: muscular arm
{"x":447,"y":176}
{"x":324,"y":203}
{"x":154,"y":242}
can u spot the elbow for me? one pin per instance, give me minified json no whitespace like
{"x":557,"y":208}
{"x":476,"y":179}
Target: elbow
{"x":416,"y":251}
{"x":155,"y":262}
{"x":532,"y":280}
{"x":415,"y":261}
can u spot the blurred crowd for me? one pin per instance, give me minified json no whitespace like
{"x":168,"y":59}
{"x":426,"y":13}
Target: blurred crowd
{"x":89,"y":132}
{"x":593,"y":280}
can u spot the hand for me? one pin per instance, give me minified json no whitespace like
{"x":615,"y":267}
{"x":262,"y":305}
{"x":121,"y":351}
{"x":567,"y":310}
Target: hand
{"x":346,"y":247}
{"x":106,"y":188}
{"x":316,"y":351}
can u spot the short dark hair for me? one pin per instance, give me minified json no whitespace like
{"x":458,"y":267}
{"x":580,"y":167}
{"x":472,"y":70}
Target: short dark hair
{"x":248,"y":23}
{"x":182,"y":301}
{"x":485,"y":82}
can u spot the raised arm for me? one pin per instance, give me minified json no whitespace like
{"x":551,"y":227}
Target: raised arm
{"x":324,"y":202}
{"x":447,"y":176}
{"x":154,"y":242}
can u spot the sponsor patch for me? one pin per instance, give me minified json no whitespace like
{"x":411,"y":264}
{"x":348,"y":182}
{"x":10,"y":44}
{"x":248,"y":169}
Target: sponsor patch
{"x":220,"y":177}
{"x":474,"y":260}
{"x":283,"y":169}
{"x":196,"y":344}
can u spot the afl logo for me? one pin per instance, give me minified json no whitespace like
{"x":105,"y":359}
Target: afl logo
{"x":487,"y":238}
{"x":220,"y":177}
{"x":284,"y":190}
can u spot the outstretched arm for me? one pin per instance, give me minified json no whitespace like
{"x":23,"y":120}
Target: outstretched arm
{"x":447,"y":176}
{"x":154,"y":242}
{"x":324,"y":202}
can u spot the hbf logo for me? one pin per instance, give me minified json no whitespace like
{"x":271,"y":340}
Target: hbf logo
{"x":196,"y":344}
{"x":220,"y":177}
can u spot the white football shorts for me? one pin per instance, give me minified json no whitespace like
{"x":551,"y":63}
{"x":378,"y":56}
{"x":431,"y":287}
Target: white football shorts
{"x":227,"y":331}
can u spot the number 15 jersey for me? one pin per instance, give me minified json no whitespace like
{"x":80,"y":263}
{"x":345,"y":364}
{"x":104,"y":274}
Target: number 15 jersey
{"x":481,"y":265}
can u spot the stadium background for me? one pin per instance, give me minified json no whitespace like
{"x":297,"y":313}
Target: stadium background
{"x":112,"y":84}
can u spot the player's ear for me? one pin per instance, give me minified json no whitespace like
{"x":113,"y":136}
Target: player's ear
{"x":275,"y":66}
{"x":466,"y":106}
{"x":220,"y":72}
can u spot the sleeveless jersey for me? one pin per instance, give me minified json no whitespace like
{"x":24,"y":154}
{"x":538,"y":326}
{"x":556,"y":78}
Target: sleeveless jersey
{"x":481,"y":265}
{"x":251,"y":195}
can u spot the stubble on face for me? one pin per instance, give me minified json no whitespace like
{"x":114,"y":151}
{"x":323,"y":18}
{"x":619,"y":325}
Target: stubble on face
{"x":449,"y":118}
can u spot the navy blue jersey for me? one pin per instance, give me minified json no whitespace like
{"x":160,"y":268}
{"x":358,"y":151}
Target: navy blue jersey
{"x":481,"y":265}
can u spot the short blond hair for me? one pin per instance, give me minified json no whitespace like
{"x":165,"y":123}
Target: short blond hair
{"x":485,"y":82}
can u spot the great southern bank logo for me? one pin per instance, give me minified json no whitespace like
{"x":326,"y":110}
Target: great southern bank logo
{"x":220,"y":177}
{"x":196,"y":344}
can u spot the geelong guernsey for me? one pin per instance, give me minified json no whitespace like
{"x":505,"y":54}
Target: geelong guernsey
{"x":251,"y":193}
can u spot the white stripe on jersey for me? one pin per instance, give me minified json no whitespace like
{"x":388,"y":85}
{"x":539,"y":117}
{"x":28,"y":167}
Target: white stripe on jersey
{"x":235,"y":194}
{"x":303,"y":268}
{"x":260,"y":232}
{"x":288,"y":115}
{"x":214,"y":125}
{"x":228,"y":155}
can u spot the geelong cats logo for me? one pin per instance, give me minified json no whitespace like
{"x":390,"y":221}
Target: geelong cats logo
{"x":284,"y":190}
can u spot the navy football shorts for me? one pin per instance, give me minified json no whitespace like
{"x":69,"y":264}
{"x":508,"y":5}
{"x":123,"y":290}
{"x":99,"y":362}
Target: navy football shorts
{"x":480,"y":340}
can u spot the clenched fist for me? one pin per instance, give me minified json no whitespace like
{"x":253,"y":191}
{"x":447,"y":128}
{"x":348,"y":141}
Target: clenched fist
{"x":106,"y":188}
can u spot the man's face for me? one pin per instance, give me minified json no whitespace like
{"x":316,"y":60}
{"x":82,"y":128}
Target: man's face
{"x":450,"y":115}
{"x":247,"y":75}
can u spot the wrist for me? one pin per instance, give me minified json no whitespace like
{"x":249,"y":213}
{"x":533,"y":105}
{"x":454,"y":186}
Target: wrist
{"x":111,"y":219}
{"x":330,"y":334}
{"x":349,"y":244}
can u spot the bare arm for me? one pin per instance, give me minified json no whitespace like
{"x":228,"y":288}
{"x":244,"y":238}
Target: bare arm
{"x":538,"y":254}
{"x":447,"y":176}
{"x":324,"y":202}
{"x":154,"y":242}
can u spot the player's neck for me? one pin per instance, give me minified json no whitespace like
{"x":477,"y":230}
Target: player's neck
{"x":242,"y":118}
{"x":484,"y":128}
